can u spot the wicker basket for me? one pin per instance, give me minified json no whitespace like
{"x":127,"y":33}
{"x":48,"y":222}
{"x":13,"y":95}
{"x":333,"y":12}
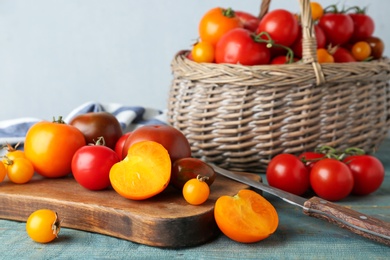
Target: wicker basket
{"x":239,"y":117}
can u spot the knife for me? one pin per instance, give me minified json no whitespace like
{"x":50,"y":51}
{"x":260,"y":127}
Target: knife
{"x":356,"y":222}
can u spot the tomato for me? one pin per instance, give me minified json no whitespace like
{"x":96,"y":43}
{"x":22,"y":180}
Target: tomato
{"x":196,"y":191}
{"x":19,"y":170}
{"x":203,"y":52}
{"x":172,"y":139}
{"x":50,"y":147}
{"x":216,"y":22}
{"x":249,"y":21}
{"x":361,"y":50}
{"x":324,"y":56}
{"x":91,"y":166}
{"x":288,"y":173}
{"x":310,"y":158}
{"x":43,"y":225}
{"x":284,"y":59}
{"x":96,"y":124}
{"x":186,"y":169}
{"x":368,"y":173}
{"x":239,"y":47}
{"x":377,"y":46}
{"x":13,"y":153}
{"x":338,"y":27}
{"x":363,"y":26}
{"x":343,"y":55}
{"x":316,"y":10}
{"x":3,"y":172}
{"x":331,"y":179}
{"x":320,"y":38}
{"x":281,"y":25}
{"x":120,"y":144}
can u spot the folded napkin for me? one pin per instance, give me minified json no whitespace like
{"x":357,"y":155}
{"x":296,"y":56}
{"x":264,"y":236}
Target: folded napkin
{"x":130,"y":117}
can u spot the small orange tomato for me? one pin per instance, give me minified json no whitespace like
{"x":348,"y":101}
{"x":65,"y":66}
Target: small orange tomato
{"x":196,"y":191}
{"x":317,"y":10}
{"x":361,"y":50}
{"x":324,"y":56}
{"x":203,"y":52}
{"x":43,"y":225}
{"x":50,"y":147}
{"x":19,"y":170}
{"x":3,"y":172}
{"x":216,"y":22}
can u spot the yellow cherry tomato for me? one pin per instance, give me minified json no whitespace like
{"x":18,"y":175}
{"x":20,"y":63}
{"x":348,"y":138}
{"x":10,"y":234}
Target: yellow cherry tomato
{"x":361,"y":50}
{"x":203,"y":52}
{"x":19,"y":170}
{"x":324,"y":56}
{"x":3,"y":172}
{"x":43,"y":225}
{"x":317,"y":11}
{"x":196,"y":191}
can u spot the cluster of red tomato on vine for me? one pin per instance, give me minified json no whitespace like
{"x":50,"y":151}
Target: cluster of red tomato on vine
{"x":238,"y":37}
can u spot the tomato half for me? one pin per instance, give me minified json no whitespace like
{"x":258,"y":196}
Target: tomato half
{"x":50,"y":147}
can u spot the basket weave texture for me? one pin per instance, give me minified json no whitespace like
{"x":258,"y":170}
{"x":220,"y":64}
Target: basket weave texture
{"x":239,"y":117}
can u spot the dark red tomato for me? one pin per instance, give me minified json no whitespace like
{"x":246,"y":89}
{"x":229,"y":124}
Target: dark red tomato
{"x":96,"y":124}
{"x":368,"y":173}
{"x":343,"y":55}
{"x":320,"y":38}
{"x":331,"y":179}
{"x":310,"y":158}
{"x":172,"y":139}
{"x":338,"y":28}
{"x":189,"y":168}
{"x":281,"y":25}
{"x":249,"y":21}
{"x":363,"y":27}
{"x":91,"y":166}
{"x":288,"y":173}
{"x":239,"y":47}
{"x":377,"y":46}
{"x":120,"y":144}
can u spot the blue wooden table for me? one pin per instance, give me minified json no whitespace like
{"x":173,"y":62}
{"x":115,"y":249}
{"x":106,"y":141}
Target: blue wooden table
{"x":298,"y":237}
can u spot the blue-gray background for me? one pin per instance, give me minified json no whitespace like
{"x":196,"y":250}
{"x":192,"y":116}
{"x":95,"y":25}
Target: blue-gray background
{"x":58,"y":54}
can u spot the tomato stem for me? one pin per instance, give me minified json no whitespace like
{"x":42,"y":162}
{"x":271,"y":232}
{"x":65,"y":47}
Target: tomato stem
{"x":100,"y":141}
{"x":271,"y":43}
{"x":59,"y":121}
{"x":229,"y":12}
{"x":202,"y":178}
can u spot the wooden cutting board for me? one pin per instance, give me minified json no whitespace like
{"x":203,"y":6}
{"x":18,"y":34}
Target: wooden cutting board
{"x":165,"y":220}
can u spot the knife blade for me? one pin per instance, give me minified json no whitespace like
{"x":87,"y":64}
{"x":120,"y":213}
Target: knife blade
{"x":354,"y":221}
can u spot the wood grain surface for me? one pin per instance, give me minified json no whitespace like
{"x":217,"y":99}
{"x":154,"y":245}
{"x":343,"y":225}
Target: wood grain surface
{"x":165,"y":220}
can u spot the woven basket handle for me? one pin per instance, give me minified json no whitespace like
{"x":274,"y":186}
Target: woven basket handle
{"x":309,"y":42}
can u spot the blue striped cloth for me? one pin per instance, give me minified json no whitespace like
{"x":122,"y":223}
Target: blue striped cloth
{"x":130,"y":117}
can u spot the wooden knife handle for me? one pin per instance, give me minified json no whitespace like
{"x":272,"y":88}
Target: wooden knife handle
{"x":358,"y":223}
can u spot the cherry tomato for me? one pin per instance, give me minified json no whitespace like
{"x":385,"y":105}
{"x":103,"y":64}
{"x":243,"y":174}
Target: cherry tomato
{"x":324,"y":56}
{"x":377,"y":46}
{"x":239,"y":47}
{"x":361,"y":50}
{"x":13,"y":153}
{"x":196,"y":191}
{"x":96,"y":124}
{"x":281,"y":25}
{"x":310,"y":158}
{"x":343,"y":55}
{"x":50,"y":147}
{"x":320,"y":38}
{"x":43,"y":225}
{"x":120,"y":144}
{"x":91,"y":166}
{"x":363,"y":26}
{"x":317,"y":11}
{"x":338,"y":27}
{"x":249,"y":21}
{"x":203,"y":52}
{"x":19,"y":170}
{"x":3,"y":172}
{"x":368,"y":173}
{"x":331,"y":179}
{"x":216,"y":22}
{"x":186,"y":169}
{"x":172,"y":139}
{"x":284,"y":59}
{"x":288,"y":173}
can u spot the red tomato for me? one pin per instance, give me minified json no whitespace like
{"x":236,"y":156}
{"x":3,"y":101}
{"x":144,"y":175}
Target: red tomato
{"x":120,"y":144}
{"x":338,"y":28}
{"x":249,"y":21}
{"x":331,"y":179}
{"x":363,"y":27}
{"x":91,"y":166}
{"x":284,"y":59}
{"x":172,"y":139}
{"x":281,"y":25}
{"x":288,"y":173}
{"x":310,"y":158}
{"x":50,"y":147}
{"x":320,"y":38}
{"x":368,"y":173}
{"x":238,"y":47}
{"x":343,"y":55}
{"x":96,"y":124}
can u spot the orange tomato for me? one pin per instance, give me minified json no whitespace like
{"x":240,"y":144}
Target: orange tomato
{"x":324,"y":56}
{"x":247,"y":217}
{"x":203,"y":52}
{"x":19,"y":170}
{"x":317,"y":11}
{"x":3,"y":172}
{"x":196,"y":191}
{"x":216,"y":22}
{"x":361,"y":50}
{"x":50,"y":147}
